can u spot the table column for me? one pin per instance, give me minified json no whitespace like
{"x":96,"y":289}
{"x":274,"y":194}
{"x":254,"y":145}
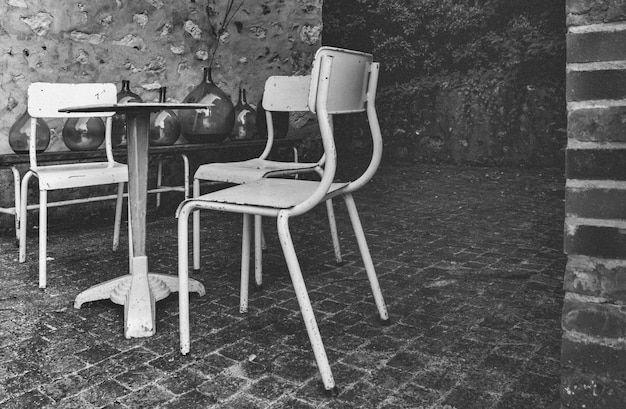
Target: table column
{"x":139,"y":290}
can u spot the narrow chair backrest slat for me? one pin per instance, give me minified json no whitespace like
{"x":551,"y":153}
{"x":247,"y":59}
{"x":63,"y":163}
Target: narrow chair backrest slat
{"x":45,"y":99}
{"x":287,"y":93}
{"x":348,"y":80}
{"x":283,"y":94}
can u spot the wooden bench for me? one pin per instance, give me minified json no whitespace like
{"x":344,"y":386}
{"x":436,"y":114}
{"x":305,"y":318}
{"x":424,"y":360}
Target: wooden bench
{"x":12,"y":161}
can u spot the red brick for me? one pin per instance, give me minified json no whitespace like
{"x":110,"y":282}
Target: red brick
{"x":584,"y":12}
{"x":596,"y":46}
{"x":596,"y":241}
{"x":594,"y":358}
{"x":600,"y":84}
{"x":597,"y":164}
{"x":596,"y":279}
{"x":595,"y":203}
{"x":597,"y":124}
{"x":595,"y":320}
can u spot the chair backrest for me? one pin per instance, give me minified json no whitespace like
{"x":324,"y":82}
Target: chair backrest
{"x":349,"y":80}
{"x":342,"y":82}
{"x":283,"y":94}
{"x":287,"y":93}
{"x":45,"y":100}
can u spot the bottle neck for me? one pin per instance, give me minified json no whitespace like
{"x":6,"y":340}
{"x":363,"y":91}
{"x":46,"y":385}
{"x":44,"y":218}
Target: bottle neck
{"x":162,"y":94}
{"x":207,"y":75}
{"x":126,"y":85}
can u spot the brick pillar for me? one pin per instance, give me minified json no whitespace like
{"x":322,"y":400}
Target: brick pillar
{"x":593,"y":357}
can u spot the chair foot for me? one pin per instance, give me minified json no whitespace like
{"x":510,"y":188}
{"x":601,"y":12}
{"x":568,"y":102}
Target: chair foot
{"x":385,"y":322}
{"x":257,"y":287}
{"x":196,"y":270}
{"x":340,"y":263}
{"x":331,"y":393}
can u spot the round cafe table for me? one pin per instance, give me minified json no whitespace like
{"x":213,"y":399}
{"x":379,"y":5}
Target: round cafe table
{"x":139,"y":290}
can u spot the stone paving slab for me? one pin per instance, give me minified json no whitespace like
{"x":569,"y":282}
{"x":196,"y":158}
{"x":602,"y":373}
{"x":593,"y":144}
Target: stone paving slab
{"x":469,"y":259}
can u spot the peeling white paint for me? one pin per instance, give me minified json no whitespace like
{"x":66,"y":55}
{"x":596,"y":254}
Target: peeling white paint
{"x":595,"y":66}
{"x":597,"y":28}
{"x":572,"y":222}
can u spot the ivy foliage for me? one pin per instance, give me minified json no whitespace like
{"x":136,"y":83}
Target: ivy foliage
{"x":481,"y":49}
{"x":443,"y":40}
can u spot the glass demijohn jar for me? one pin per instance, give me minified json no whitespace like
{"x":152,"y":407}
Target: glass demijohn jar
{"x":20,"y":132}
{"x":118,"y":131}
{"x":164,"y":125}
{"x":245,"y":119}
{"x":210,"y":125}
{"x":83,"y":133}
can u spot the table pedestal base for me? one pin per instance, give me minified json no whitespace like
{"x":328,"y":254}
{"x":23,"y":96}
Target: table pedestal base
{"x":138,"y":293}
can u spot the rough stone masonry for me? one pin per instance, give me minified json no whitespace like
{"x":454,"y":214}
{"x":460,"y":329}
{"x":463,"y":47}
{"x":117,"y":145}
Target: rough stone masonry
{"x":151,"y":43}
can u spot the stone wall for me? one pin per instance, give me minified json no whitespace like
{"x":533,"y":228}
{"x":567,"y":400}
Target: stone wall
{"x":152,"y":43}
{"x":594,"y":313}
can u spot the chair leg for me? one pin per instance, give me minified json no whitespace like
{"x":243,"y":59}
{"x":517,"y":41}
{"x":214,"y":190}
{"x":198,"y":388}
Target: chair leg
{"x":196,"y":228}
{"x":183,"y":278}
{"x":118,"y":216}
{"x":245,"y":263}
{"x":263,"y":242}
{"x":366,"y":256}
{"x":23,"y":215}
{"x":17,"y":200}
{"x":305,"y":303}
{"x":333,"y":231}
{"x":43,"y":235}
{"x":185,"y":174}
{"x":158,"y":183}
{"x":258,"y":251}
{"x":130,"y":239}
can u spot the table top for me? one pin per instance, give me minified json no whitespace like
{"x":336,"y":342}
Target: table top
{"x":133,"y":107}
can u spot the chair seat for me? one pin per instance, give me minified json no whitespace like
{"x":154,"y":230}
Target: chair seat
{"x":247,"y":171}
{"x":269,"y":193}
{"x":71,"y":175}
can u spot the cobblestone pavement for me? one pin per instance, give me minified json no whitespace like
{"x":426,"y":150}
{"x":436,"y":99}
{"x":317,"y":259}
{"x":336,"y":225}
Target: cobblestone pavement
{"x":469,"y":259}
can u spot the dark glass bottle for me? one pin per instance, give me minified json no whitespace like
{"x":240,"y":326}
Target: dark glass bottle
{"x":118,"y":130}
{"x":83,"y":133}
{"x":210,"y":125}
{"x":20,"y":133}
{"x":279,"y":119}
{"x":164,"y":125}
{"x":245,"y":119}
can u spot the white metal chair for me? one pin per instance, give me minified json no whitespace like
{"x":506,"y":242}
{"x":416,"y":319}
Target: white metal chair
{"x":44,"y":101}
{"x":281,"y":94}
{"x":341,"y":82}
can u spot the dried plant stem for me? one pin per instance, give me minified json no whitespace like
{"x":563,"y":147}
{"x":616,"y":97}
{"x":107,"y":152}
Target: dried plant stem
{"x":230,"y":12}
